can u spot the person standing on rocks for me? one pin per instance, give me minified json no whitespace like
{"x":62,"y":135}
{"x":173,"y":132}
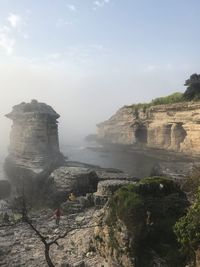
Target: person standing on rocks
{"x":58,"y":214}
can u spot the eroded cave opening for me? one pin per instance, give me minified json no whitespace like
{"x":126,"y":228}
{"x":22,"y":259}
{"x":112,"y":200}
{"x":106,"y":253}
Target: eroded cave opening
{"x":178,"y":135}
{"x":167,"y":135}
{"x":141,"y":134}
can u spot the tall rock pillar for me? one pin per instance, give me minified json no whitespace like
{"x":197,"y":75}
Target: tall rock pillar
{"x":34,"y":144}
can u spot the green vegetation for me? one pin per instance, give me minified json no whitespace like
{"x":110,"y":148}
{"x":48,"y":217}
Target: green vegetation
{"x":191,"y":185}
{"x":187,"y":229}
{"x":127,"y":205}
{"x":192,"y":93}
{"x":166,"y":100}
{"x":170,"y":99}
{"x":149,"y":209}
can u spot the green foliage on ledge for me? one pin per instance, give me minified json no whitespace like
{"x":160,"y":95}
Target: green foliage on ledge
{"x":127,"y":205}
{"x":149,"y":209}
{"x":187,"y":229}
{"x":170,"y":99}
{"x":166,"y":100}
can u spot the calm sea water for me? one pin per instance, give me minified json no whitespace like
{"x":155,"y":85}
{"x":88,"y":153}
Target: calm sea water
{"x":138,"y":165}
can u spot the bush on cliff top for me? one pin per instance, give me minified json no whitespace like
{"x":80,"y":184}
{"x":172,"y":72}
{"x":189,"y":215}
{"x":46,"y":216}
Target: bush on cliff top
{"x":170,"y":99}
{"x":166,"y":100}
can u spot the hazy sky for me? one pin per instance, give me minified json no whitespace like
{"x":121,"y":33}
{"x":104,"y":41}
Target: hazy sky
{"x":87,"y":58}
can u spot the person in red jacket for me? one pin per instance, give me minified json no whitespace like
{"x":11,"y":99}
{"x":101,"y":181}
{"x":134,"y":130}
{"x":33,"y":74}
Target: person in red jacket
{"x":57,"y":214}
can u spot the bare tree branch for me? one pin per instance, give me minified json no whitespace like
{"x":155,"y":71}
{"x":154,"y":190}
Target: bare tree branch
{"x":55,"y":241}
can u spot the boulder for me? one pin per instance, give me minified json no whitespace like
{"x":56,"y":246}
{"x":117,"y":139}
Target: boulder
{"x":104,"y":174}
{"x":78,"y":180}
{"x":178,"y":171}
{"x":108,"y":187}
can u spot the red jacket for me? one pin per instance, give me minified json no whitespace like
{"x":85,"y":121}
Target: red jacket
{"x":58,"y":213}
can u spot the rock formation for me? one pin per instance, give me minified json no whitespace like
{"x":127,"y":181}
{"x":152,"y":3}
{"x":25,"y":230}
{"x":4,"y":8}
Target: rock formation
{"x":78,"y":180}
{"x":137,"y":225}
{"x":174,"y":127}
{"x":34,"y":145}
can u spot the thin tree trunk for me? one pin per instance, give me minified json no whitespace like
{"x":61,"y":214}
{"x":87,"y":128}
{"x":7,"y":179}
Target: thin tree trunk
{"x":47,"y":257}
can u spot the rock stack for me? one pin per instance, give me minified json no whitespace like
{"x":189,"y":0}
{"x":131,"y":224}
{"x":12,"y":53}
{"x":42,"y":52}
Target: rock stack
{"x":34,"y":145}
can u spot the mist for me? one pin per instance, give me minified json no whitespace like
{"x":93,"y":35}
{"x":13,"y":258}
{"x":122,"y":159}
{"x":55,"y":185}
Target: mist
{"x":83,"y":98}
{"x":69,"y":61}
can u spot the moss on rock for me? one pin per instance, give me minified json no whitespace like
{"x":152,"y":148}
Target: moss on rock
{"x":149,"y":210}
{"x":187,"y":229}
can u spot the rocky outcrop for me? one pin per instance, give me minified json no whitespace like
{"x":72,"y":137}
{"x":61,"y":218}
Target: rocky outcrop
{"x":34,"y":145}
{"x":174,"y":127}
{"x":78,"y":180}
{"x":178,"y":171}
{"x":136,"y":227}
{"x":106,"y":189}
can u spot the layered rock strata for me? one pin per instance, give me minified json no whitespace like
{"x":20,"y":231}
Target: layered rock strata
{"x":34,"y":144}
{"x":174,"y":127}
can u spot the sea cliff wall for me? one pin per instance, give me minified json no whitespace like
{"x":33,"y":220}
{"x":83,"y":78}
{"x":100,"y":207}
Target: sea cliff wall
{"x":174,"y":127}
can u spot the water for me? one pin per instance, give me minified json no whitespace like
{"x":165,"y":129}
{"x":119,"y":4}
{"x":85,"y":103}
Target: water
{"x":136,"y":164}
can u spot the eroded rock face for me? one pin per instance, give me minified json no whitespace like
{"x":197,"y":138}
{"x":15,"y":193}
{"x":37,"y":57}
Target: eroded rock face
{"x":136,"y":227}
{"x":108,"y":187}
{"x":34,"y":145}
{"x":174,"y":127}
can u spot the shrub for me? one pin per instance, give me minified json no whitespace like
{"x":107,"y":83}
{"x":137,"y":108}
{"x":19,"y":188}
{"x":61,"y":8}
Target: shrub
{"x":166,"y":100}
{"x":170,"y":99}
{"x":187,"y":229}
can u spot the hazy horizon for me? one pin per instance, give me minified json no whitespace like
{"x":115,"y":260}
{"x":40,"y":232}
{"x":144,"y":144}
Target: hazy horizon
{"x":88,"y":58}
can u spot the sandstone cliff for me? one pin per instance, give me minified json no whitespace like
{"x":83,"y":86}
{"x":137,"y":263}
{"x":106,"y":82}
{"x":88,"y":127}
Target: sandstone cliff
{"x":174,"y":127}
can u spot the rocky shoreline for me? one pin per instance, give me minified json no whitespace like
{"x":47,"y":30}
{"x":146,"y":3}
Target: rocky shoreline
{"x":109,"y":218}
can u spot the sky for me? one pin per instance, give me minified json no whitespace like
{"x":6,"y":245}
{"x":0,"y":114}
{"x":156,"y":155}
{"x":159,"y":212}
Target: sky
{"x":87,"y":58}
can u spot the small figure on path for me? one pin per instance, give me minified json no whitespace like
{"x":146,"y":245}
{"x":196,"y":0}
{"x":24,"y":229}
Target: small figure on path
{"x":58,"y":214}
